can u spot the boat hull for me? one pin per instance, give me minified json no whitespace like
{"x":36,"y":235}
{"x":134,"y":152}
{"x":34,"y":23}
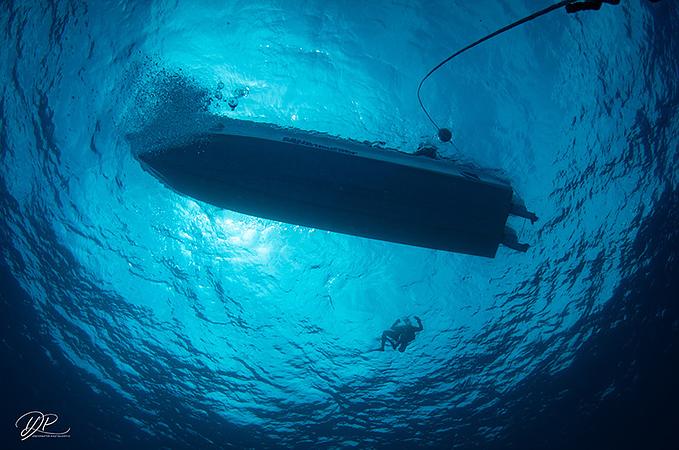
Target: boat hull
{"x":352,"y":189}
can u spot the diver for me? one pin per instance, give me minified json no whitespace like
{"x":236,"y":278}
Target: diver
{"x":399,"y":336}
{"x":512,"y":241}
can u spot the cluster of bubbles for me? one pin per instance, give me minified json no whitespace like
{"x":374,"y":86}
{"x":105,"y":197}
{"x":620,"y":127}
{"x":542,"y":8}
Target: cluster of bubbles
{"x":232,"y":101}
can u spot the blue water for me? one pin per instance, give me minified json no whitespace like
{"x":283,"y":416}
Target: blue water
{"x":145,"y":318}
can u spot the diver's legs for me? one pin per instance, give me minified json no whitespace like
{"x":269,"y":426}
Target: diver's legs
{"x":388,"y":335}
{"x":512,"y":241}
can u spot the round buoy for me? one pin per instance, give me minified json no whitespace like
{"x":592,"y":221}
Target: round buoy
{"x":445,"y":134}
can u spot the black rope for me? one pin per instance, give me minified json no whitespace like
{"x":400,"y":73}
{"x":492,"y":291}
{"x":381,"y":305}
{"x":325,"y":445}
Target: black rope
{"x":490,"y":36}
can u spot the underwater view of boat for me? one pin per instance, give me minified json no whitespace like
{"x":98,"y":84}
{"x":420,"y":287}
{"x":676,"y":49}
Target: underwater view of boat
{"x":341,"y":185}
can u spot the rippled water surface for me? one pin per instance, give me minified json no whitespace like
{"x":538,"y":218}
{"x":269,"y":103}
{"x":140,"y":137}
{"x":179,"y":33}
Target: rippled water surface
{"x":173,"y":323}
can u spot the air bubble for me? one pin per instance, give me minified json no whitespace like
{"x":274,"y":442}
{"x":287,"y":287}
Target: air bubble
{"x":241,"y":92}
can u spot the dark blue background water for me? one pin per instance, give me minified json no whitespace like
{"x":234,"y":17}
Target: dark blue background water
{"x":145,"y":319}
